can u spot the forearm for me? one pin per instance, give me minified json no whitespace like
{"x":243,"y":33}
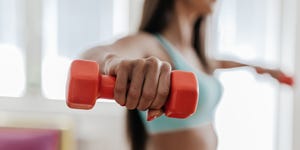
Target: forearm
{"x":127,"y":47}
{"x":224,"y":64}
{"x":275,"y":73}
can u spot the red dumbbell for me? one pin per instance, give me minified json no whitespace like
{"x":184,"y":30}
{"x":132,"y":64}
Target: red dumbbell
{"x":286,"y":79}
{"x":86,"y":84}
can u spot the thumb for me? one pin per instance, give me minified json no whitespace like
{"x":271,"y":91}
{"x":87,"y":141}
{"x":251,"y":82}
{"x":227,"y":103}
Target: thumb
{"x":154,"y":113}
{"x":110,"y":64}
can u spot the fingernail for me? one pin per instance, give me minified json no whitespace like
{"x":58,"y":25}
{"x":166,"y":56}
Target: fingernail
{"x":150,"y":118}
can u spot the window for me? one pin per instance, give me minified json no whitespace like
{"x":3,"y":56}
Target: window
{"x":12,"y":77}
{"x":71,"y":27}
{"x":248,"y":30}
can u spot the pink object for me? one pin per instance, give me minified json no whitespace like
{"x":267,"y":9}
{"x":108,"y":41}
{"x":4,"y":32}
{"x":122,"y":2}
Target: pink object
{"x":29,"y":139}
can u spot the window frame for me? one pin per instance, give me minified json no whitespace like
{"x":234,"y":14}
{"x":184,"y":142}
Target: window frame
{"x":294,"y":7}
{"x":288,"y":125}
{"x":33,"y":99}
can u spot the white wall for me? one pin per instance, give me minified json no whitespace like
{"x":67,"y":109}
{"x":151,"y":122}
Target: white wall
{"x":296,"y":117}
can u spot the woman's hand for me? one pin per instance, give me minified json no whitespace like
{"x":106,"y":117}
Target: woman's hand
{"x":141,"y":84}
{"x":276,"y":74}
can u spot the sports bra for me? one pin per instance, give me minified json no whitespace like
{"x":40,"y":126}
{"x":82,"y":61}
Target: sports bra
{"x":210,"y":91}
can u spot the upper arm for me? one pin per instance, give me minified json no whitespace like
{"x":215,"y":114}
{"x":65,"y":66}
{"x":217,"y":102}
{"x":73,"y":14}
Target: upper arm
{"x":215,"y":64}
{"x":134,"y":46}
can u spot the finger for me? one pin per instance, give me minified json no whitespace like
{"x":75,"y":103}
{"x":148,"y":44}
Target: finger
{"x":163,"y":87}
{"x":120,"y":90}
{"x":110,"y":65}
{"x":150,"y":84}
{"x":136,"y":84}
{"x":153,"y":114}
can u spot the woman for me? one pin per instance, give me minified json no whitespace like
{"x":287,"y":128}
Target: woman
{"x":171,"y":37}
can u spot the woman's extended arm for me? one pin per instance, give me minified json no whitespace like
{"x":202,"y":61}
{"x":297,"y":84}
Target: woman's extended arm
{"x":127,"y":47}
{"x":225,"y":64}
{"x":130,"y":62}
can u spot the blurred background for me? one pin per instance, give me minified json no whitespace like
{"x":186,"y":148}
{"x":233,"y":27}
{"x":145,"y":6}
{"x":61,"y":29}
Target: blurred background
{"x":39,"y":38}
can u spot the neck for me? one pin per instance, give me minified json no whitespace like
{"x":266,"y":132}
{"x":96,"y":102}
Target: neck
{"x":180,"y":30}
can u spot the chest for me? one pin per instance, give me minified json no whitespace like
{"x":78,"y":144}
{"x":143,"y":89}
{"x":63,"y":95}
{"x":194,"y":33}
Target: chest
{"x":189,"y":56}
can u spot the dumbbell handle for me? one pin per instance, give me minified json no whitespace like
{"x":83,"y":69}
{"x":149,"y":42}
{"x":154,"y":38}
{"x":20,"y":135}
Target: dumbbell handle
{"x":106,"y":86}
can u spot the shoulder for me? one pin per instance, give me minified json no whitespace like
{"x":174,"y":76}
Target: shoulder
{"x":141,"y":44}
{"x":141,"y":41}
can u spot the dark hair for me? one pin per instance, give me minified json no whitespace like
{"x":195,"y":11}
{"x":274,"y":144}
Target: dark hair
{"x":155,"y":18}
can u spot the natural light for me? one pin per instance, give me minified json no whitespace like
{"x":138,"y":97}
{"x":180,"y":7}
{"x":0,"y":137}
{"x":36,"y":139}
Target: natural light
{"x":246,"y":115}
{"x":65,"y":37}
{"x":250,"y":116}
{"x":12,"y":71}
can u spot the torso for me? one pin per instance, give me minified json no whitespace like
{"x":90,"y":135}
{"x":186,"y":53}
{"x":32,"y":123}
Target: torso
{"x":199,"y":138}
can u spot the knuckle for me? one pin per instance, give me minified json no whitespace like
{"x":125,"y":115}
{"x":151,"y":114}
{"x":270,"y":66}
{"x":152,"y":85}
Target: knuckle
{"x":152,"y":61}
{"x":118,"y":90}
{"x":165,"y":66}
{"x":140,"y":65}
{"x":152,"y":58}
{"x":139,"y":61}
{"x":135,"y":89}
{"x":148,"y":96}
{"x":125,"y":64}
{"x":148,"y":64}
{"x":133,"y":95}
{"x":163,"y":93}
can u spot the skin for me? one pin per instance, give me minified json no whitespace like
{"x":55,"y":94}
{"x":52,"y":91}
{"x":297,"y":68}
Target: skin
{"x":141,"y":60}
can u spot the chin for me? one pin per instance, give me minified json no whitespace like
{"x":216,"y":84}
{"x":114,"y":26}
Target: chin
{"x":203,"y":7}
{"x":205,"y":11}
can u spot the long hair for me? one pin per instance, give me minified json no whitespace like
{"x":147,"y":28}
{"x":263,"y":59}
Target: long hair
{"x":155,"y":18}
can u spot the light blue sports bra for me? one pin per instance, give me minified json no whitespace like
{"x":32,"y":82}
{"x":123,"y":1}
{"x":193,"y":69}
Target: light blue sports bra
{"x":210,"y":91}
